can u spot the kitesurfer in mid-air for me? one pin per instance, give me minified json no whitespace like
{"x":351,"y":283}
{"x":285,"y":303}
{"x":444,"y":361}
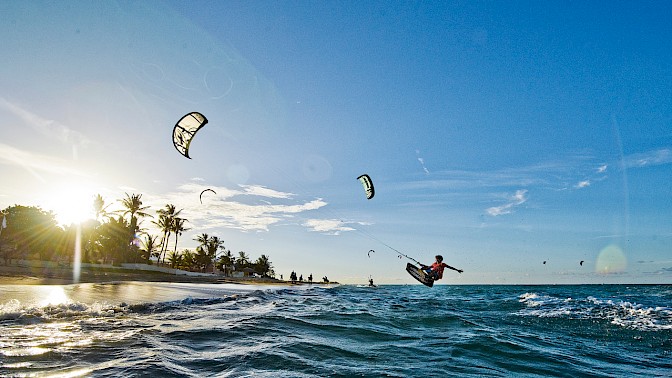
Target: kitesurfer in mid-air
{"x":435,"y":271}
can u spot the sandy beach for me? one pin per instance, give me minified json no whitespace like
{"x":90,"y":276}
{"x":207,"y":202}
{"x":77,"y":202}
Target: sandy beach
{"x":19,"y":275}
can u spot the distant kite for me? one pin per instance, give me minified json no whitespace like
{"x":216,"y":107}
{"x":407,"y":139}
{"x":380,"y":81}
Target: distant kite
{"x":581,"y":263}
{"x":201,"y":195}
{"x":369,"y":253}
{"x":544,"y":262}
{"x":185,"y":129}
{"x":368,"y":185}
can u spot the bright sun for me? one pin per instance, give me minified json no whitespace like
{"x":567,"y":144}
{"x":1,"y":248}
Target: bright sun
{"x":71,"y":204}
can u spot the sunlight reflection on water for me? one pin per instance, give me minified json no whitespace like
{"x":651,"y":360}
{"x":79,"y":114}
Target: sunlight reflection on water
{"x":53,"y":295}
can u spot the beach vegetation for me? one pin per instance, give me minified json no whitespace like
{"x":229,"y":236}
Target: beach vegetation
{"x":165,"y":222}
{"x":116,"y":237}
{"x":178,"y":228}
{"x":149,"y":248}
{"x":30,"y":231}
{"x":176,"y":260}
{"x":264,"y":267}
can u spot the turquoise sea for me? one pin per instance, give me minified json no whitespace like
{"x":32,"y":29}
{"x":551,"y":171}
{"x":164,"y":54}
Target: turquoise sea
{"x":223,"y":330}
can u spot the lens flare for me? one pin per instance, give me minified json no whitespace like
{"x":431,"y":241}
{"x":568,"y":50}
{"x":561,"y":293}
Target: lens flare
{"x":611,"y":260}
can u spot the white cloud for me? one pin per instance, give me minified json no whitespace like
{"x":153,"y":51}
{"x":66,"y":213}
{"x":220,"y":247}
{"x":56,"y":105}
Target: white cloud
{"x":583,"y":184}
{"x":650,"y":158}
{"x":422,"y":162}
{"x":237,"y":209}
{"x":327,"y":226}
{"x":262,"y":191}
{"x":602,"y":168}
{"x":517,"y":199}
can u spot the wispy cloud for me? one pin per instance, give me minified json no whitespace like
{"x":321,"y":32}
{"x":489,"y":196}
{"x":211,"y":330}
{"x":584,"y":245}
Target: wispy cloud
{"x":555,"y":174}
{"x":248,"y":208}
{"x":36,"y":163}
{"x":516,"y":200}
{"x":598,"y":174}
{"x":327,"y":226}
{"x":422,"y":162}
{"x":262,"y":191}
{"x":582,"y":184}
{"x":650,"y":158}
{"x":48,"y":127}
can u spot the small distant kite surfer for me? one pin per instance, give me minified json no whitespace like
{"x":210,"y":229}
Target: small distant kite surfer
{"x":206,"y":190}
{"x":371,"y":282}
{"x":435,"y":271}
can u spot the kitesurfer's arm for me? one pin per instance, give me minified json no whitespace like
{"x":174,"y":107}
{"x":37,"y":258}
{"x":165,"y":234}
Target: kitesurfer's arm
{"x":455,"y":269}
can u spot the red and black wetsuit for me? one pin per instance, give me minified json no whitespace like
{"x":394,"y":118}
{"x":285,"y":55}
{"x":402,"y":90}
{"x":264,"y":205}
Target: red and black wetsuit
{"x":436,"y":270}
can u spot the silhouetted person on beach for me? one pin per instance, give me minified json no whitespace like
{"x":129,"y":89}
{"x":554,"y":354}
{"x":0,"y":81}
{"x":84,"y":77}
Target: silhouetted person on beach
{"x":435,"y":271}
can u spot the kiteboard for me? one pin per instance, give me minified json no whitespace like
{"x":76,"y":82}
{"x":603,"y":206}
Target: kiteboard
{"x":419,"y":275}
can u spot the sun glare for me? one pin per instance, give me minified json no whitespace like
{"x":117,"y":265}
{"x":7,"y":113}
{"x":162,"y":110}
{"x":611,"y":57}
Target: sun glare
{"x":71,"y":205}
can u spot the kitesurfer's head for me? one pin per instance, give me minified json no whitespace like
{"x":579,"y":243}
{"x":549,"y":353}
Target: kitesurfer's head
{"x":438,"y":258}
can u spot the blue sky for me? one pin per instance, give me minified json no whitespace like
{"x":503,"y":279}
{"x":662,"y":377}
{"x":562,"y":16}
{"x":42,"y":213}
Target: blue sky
{"x":498,"y":134}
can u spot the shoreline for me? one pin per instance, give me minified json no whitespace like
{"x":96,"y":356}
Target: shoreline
{"x":21,"y":275}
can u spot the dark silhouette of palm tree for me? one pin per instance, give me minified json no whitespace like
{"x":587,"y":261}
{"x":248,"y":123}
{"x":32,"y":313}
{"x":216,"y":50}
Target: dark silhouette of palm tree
{"x":178,"y":228}
{"x":207,"y":251}
{"x":226,"y":261}
{"x":99,"y":207}
{"x":165,"y":223}
{"x":133,"y":207}
{"x":149,"y":247}
{"x":242,"y":261}
{"x":263,"y":266}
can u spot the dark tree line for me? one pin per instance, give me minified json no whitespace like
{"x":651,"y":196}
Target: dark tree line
{"x":117,"y":237}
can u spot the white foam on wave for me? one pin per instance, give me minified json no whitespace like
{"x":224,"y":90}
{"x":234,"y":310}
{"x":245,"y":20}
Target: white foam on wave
{"x":621,"y":313}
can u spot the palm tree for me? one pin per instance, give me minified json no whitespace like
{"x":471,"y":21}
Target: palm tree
{"x":99,"y":207}
{"x":202,"y":250}
{"x":178,"y":228}
{"x":242,"y":260}
{"x":188,"y":259}
{"x":225,"y":262}
{"x":207,"y":251}
{"x":264,"y":267}
{"x":165,"y":223}
{"x":133,"y":206}
{"x":202,"y":238}
{"x":114,"y":240}
{"x":176,"y":260}
{"x":149,"y":247}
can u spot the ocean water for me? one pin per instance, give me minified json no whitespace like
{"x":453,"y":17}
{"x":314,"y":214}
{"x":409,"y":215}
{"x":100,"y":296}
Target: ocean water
{"x":208,"y":330}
